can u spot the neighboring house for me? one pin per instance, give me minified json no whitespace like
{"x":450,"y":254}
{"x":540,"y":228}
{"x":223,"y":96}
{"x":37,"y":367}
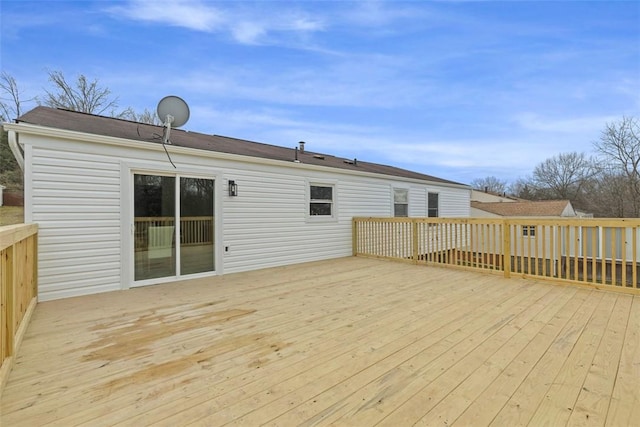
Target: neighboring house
{"x":114,"y":213}
{"x":595,"y":240}
{"x":541,"y":208}
{"x":583,"y":214}
{"x":488,"y":196}
{"x":525,"y":240}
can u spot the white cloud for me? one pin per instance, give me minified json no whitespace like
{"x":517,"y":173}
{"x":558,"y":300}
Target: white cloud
{"x":244,"y":25}
{"x":359,"y":80}
{"x":194,"y":15}
{"x":576,"y":126}
{"x":378,"y":14}
{"x":410,"y":149}
{"x":248,"y":32}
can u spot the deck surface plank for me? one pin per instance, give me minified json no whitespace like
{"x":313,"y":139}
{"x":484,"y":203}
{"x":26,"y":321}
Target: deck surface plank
{"x":595,"y":396}
{"x":353,"y":341}
{"x":395,"y":378}
{"x":560,"y":399}
{"x":624,"y":407}
{"x":497,"y":394}
{"x":558,"y":308}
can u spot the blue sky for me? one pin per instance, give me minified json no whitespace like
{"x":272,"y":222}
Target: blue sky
{"x":459,"y":90}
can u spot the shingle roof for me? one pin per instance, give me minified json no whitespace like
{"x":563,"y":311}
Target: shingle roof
{"x":109,"y":126}
{"x":524,"y":208}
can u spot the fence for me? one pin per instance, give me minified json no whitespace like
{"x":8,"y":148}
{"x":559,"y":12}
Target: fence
{"x":18,"y":289}
{"x":596,"y":252}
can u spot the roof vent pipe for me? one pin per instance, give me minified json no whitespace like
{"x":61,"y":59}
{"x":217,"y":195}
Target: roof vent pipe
{"x":301,"y":146}
{"x":296,"y":159}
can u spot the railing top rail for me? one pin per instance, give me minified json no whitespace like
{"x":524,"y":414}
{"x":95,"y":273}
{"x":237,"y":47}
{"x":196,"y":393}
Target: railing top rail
{"x":169,"y":218}
{"x":586,"y":222}
{"x":427,"y":220}
{"x":11,"y":234}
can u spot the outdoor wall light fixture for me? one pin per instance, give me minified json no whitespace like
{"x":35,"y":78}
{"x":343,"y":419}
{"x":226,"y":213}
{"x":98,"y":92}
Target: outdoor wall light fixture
{"x":233,"y":188}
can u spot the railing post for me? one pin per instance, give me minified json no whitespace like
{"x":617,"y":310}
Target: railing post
{"x":506,"y":247}
{"x":9,"y":319}
{"x":414,"y":229}
{"x":354,"y":237}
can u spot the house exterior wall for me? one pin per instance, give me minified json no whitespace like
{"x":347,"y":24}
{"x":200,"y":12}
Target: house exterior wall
{"x":568,"y":211}
{"x":481,"y":196}
{"x":80,"y":195}
{"x":479,"y":213}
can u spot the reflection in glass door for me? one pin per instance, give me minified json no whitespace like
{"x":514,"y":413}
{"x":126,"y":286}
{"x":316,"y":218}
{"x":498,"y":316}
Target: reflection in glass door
{"x":156,"y":251}
{"x":196,"y":225}
{"x":154,"y":225}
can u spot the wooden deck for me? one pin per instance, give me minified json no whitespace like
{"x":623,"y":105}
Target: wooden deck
{"x":352,"y":341}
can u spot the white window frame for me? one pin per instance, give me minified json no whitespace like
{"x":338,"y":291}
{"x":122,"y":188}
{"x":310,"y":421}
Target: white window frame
{"x":438,"y":207}
{"x":393,"y":201}
{"x":333,"y":201}
{"x":527,"y":231}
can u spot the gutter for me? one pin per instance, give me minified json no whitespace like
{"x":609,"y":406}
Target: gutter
{"x":15,"y":149}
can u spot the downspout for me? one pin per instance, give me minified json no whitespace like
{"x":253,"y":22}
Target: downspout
{"x":15,"y":149}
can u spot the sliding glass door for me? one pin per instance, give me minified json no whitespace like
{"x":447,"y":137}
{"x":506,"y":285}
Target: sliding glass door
{"x":173,"y":226}
{"x":196,"y":225}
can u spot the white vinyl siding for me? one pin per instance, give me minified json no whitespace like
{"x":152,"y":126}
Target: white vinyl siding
{"x":79,"y":197}
{"x":453,"y":202}
{"x":76,"y":202}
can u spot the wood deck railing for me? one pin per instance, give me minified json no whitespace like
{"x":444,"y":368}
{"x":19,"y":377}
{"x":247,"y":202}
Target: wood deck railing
{"x":595,"y":252}
{"x":194,"y":230}
{"x":18,"y":289}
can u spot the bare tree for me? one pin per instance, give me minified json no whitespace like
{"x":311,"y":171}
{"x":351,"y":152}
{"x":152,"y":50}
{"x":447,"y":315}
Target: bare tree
{"x":87,"y":96}
{"x":619,"y":146}
{"x":490,"y":183}
{"x":147,"y":116}
{"x":84,"y":95}
{"x":610,"y":195}
{"x":11,"y":99}
{"x":564,"y":176}
{"x":522,"y":188}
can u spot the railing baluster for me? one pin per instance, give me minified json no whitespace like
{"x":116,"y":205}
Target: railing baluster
{"x":563,"y":250}
{"x":634,"y":263}
{"x":623,"y":272}
{"x":614,"y":255}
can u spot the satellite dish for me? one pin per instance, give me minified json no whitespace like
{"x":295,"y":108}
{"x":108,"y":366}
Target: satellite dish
{"x":173,"y":111}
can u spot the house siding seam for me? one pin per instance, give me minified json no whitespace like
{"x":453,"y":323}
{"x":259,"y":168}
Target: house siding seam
{"x":77,"y":200}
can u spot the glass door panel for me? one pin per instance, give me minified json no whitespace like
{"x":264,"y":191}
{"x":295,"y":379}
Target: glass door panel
{"x":154,"y":226}
{"x":196,"y":225}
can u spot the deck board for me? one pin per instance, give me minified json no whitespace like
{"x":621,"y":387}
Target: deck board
{"x":352,"y":341}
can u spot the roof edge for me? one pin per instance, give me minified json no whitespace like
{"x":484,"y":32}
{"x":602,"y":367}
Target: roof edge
{"x":39,"y":130}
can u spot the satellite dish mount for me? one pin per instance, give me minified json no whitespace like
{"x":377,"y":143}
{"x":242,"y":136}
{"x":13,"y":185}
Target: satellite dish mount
{"x":173,"y":112}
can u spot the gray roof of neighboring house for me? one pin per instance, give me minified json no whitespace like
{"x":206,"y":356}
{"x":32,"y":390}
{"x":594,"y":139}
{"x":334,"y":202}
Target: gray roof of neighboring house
{"x":524,"y":208}
{"x":119,"y":128}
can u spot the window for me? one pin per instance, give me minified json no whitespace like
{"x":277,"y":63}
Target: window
{"x":321,"y":200}
{"x":529,"y":230}
{"x":400,"y":202}
{"x":432,"y":205}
